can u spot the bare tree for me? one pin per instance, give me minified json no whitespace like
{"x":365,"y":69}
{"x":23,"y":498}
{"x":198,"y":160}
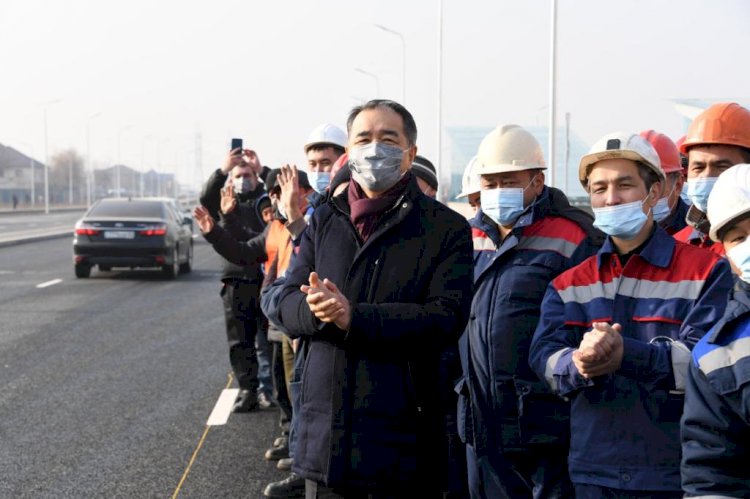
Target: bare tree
{"x":67,"y":177}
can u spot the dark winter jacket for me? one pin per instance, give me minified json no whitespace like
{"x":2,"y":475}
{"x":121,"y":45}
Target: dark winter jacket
{"x":249,"y":223}
{"x":372,"y":412}
{"x":508,"y":407}
{"x":716,"y":422}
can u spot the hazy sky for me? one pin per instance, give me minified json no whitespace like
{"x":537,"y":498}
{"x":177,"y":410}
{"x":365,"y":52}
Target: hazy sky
{"x":160,"y":71}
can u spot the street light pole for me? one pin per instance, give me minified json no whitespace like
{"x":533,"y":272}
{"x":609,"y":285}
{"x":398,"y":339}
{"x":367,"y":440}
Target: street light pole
{"x":552,"y":90}
{"x":90,"y":169}
{"x":372,"y":75}
{"x":46,"y":158}
{"x":439,"y":155}
{"x":403,"y":60}
{"x":119,"y":158}
{"x":70,"y":179}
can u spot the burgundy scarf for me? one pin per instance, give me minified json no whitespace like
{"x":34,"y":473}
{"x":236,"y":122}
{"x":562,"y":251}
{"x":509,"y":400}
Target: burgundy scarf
{"x":365,"y":212}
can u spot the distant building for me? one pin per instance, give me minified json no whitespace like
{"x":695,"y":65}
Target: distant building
{"x":464,"y":142}
{"x":15,"y":177}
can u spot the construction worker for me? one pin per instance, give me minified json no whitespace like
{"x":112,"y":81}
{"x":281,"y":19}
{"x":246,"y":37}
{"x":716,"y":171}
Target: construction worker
{"x":717,"y":139}
{"x":323,"y":147}
{"x":670,"y":211}
{"x":715,"y":427}
{"x":518,"y":445}
{"x":616,"y":331}
{"x":470,"y":185}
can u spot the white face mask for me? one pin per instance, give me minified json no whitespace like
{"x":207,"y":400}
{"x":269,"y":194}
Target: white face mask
{"x":242,"y":185}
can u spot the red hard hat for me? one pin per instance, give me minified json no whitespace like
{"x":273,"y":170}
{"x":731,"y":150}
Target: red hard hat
{"x":668,"y":153}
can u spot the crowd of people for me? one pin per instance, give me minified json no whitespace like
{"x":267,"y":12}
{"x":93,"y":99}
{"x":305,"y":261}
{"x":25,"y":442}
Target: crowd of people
{"x":532,"y":351}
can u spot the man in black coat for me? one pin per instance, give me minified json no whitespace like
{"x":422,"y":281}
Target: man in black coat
{"x":240,"y":290}
{"x":382,"y":288}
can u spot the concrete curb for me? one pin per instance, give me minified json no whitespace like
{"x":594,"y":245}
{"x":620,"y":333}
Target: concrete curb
{"x":32,"y":239}
{"x":40,"y":211}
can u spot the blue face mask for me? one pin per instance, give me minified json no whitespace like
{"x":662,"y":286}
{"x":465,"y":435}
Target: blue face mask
{"x":661,"y":210}
{"x":684,"y":196}
{"x":699,"y":189}
{"x":503,"y":205}
{"x":319,"y":181}
{"x":740,"y":256}
{"x":623,"y":221}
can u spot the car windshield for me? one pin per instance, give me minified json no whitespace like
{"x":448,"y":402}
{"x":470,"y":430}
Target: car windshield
{"x":150,"y":209}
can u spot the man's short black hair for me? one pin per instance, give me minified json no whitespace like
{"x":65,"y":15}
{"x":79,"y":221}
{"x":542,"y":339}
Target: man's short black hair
{"x":325,"y":145}
{"x":410,"y":126}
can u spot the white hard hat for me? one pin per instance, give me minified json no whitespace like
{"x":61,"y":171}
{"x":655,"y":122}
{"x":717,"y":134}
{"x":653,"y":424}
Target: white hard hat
{"x":729,"y":198}
{"x":620,"y":145}
{"x":471,"y":181}
{"x":509,"y":148}
{"x":326,"y":134}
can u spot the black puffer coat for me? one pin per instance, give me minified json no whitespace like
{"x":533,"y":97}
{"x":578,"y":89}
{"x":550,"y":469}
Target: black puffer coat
{"x":373,"y":399}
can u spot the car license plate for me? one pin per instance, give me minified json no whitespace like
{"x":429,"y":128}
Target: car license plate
{"x":119,"y":234}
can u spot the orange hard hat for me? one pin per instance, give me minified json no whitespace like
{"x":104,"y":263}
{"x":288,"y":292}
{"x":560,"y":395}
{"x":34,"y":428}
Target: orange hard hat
{"x":726,"y":123}
{"x":668,"y":153}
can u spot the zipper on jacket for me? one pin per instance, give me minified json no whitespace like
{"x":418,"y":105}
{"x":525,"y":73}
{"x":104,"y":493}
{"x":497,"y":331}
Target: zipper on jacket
{"x":371,"y":278}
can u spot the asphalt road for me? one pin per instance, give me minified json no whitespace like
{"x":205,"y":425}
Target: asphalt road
{"x":107,"y":383}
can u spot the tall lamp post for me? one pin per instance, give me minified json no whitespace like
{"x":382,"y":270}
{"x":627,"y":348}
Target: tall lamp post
{"x":552,"y":90}
{"x":46,"y":157}
{"x":371,"y":75}
{"x":119,"y":157}
{"x":403,"y":59}
{"x":90,"y":169}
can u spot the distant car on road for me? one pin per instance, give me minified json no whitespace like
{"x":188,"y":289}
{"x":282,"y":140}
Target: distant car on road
{"x":133,"y":233}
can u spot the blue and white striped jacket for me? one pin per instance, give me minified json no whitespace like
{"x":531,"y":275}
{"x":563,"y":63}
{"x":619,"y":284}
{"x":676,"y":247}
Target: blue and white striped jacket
{"x":625,"y":426}
{"x":716,"y":423}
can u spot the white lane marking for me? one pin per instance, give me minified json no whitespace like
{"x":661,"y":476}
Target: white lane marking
{"x":49,"y":283}
{"x":220,"y":414}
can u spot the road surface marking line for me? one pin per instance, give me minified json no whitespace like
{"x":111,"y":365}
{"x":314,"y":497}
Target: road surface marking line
{"x":49,"y":283}
{"x":220,"y":415}
{"x":230,"y":377}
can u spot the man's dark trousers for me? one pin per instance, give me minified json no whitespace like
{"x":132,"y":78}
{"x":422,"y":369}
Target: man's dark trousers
{"x":244,"y":320}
